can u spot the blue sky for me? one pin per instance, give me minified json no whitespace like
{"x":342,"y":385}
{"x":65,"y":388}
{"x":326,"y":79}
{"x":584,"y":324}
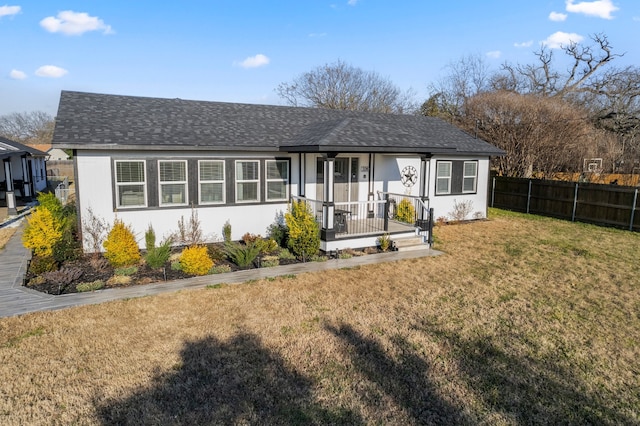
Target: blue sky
{"x":240,"y":50}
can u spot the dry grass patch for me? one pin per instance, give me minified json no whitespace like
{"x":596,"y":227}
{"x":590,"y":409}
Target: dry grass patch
{"x":523,"y":320}
{"x":5,"y":235}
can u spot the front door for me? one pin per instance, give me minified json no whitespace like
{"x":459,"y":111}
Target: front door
{"x":345,"y":180}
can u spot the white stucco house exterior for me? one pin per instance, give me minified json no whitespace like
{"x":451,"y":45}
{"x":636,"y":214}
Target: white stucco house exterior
{"x":151,"y":161}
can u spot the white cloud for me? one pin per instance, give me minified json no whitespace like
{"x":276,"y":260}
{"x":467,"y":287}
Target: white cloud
{"x":51,"y":71}
{"x":74,"y":23}
{"x":557,"y":16}
{"x":599,"y":8}
{"x":352,"y":2}
{"x":314,"y":35}
{"x":494,"y":54}
{"x":254,"y":61}
{"x":524,"y":44}
{"x":17,"y":75}
{"x":9,"y":10}
{"x":559,"y":39}
{"x":636,"y":18}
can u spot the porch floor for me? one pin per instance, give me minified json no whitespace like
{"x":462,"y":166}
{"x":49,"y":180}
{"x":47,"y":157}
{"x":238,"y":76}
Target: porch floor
{"x":373,"y":226}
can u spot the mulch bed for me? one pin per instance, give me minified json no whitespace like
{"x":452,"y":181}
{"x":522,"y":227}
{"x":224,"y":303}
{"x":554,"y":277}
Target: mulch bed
{"x":94,"y":269}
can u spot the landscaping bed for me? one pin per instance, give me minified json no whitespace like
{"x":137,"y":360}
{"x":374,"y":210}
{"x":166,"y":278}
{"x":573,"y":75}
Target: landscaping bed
{"x":93,"y":272}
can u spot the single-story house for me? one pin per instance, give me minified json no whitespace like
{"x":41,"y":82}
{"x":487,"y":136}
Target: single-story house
{"x":23,"y":172}
{"x":150,"y":161}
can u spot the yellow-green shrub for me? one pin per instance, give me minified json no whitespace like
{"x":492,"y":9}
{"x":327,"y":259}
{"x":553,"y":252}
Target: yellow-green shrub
{"x":120,"y":246}
{"x":304,"y":235}
{"x":43,"y":231}
{"x":406,"y":212}
{"x":195,"y":260}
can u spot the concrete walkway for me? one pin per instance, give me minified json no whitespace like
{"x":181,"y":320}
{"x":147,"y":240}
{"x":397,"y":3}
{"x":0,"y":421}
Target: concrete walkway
{"x":15,"y":299}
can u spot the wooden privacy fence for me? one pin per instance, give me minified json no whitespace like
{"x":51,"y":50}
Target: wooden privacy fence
{"x":608,"y":205}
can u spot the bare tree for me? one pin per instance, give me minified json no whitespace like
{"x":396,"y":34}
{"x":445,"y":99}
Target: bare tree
{"x":34,"y":127}
{"x":539,"y":134}
{"x":345,"y":87}
{"x":466,"y":77}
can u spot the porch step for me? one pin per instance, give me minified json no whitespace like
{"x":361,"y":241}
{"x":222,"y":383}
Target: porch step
{"x":410,"y":243}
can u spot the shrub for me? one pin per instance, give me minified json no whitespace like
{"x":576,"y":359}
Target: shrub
{"x":90,"y":286}
{"x":156,"y":257}
{"x":304,"y":235}
{"x":42,"y":232}
{"x":120,"y":246}
{"x":384,"y":241}
{"x":127,"y":270}
{"x":242,"y":255}
{"x":63,"y":277}
{"x":195,"y":260}
{"x":270,"y":261}
{"x":67,"y":247}
{"x":285,"y":254}
{"x":50,"y":202}
{"x":406,"y":212}
{"x":220,"y":269}
{"x":189,"y":234}
{"x":41,"y":264}
{"x":93,"y":229}
{"x":278,"y":230}
{"x":176,"y":266}
{"x":226,"y":232}
{"x":461,"y":210}
{"x":119,"y":280}
{"x":216,"y":252}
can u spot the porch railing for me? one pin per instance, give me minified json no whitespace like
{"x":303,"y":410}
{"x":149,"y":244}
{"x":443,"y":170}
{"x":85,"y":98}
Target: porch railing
{"x":408,"y":209}
{"x":356,"y":217}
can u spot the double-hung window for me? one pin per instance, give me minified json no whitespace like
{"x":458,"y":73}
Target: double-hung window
{"x":277,"y":180}
{"x":173,"y":182}
{"x":211,"y":181}
{"x":247,"y":181}
{"x":130,"y":184}
{"x":443,"y":177}
{"x":470,"y":176}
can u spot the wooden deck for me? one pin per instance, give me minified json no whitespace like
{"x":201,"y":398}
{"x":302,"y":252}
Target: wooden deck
{"x":373,"y":226}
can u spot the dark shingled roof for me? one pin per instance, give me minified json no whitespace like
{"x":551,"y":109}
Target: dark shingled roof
{"x":97,"y":121}
{"x":9,"y":148}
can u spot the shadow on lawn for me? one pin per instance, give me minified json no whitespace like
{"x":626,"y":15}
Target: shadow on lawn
{"x":403,"y":380}
{"x":529,"y":390}
{"x":234,"y":382}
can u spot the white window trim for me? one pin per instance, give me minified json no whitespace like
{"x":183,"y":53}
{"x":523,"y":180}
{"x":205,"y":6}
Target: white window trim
{"x":200,"y":182}
{"x":185,"y":183}
{"x":237,"y":181}
{"x":267,"y":180}
{"x":118,"y":184}
{"x":475,"y":177}
{"x":449,"y":178}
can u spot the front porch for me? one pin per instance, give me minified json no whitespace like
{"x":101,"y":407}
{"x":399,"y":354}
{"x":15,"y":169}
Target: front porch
{"x":360,"y":223}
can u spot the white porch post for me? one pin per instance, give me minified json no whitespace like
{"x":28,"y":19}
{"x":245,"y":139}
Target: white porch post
{"x":26,"y":179}
{"x":11,"y":196}
{"x":328,"y":208}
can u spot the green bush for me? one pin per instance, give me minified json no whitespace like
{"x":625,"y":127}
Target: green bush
{"x":278,"y":230}
{"x":50,"y":202}
{"x":126,"y":271}
{"x":195,"y":260}
{"x":270,"y":261}
{"x":226,"y":232}
{"x":242,"y":255}
{"x":121,"y":248}
{"x":384,"y":241}
{"x":42,"y":264}
{"x":156,"y":257}
{"x":285,"y":254}
{"x":304,"y":234}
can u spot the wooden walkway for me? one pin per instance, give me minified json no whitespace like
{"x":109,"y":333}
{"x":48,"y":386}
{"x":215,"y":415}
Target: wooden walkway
{"x":15,"y":299}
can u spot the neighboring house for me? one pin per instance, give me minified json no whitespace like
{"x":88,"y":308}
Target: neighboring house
{"x":23,"y":172}
{"x":149,"y":161}
{"x":54,"y":154}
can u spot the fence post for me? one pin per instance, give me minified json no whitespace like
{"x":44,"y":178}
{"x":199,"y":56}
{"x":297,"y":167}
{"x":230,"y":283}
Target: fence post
{"x":493,"y":191}
{"x":430,"y":241}
{"x":633,"y":209}
{"x":529,"y":197}
{"x":575,"y":203}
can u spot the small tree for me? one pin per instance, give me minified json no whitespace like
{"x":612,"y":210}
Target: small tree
{"x":189,"y":234}
{"x":93,"y":229}
{"x":121,"y":248}
{"x":304,"y":235}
